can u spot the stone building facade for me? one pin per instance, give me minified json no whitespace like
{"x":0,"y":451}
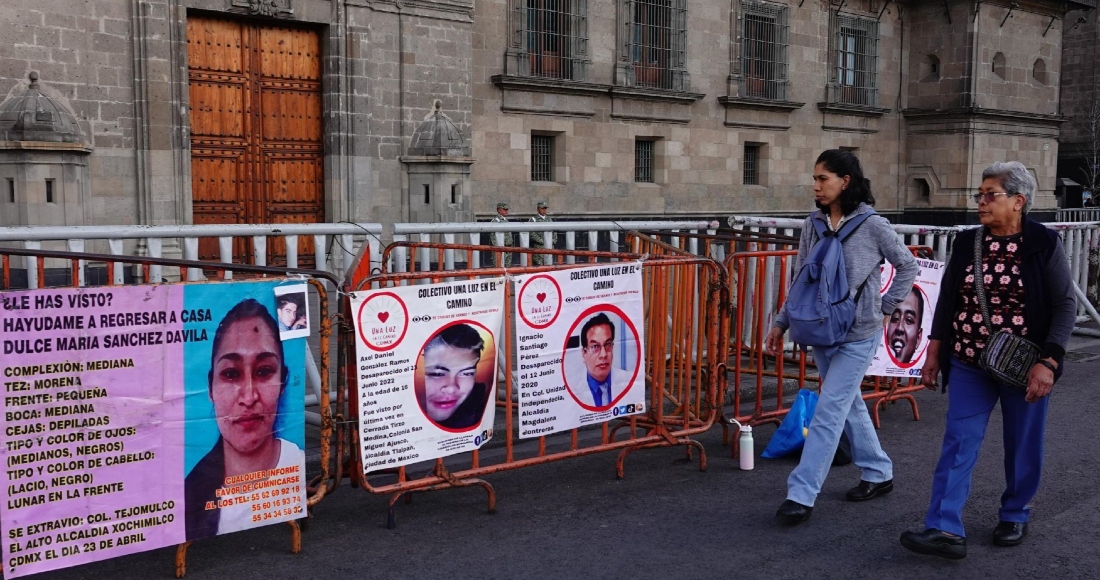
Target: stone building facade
{"x":1080,"y":103}
{"x":205,"y":111}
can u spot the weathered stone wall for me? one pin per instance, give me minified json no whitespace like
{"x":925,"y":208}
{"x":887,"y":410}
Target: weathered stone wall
{"x":85,"y":55}
{"x":1080,"y":68}
{"x":699,"y":146}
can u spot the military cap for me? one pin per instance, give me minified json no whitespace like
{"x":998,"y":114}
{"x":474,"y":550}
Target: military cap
{"x":542,"y":205}
{"x":502,"y":205}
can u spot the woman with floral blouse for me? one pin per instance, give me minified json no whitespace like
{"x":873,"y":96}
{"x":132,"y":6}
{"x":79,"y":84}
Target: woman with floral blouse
{"x":1030,"y":293}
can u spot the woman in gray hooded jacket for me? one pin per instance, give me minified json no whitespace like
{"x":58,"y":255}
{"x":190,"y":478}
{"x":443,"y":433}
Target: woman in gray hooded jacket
{"x":841,"y":193}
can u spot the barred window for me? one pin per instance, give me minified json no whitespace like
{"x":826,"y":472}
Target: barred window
{"x":750,"y":165}
{"x":657,"y":42}
{"x":763,"y":58}
{"x":542,"y":158}
{"x":643,"y":161}
{"x":856,"y":61}
{"x":551,"y":39}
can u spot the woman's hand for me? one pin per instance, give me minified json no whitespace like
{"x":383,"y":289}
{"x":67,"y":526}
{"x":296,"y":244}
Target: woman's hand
{"x":1039,"y":382}
{"x":930,"y":372}
{"x":773,"y":343}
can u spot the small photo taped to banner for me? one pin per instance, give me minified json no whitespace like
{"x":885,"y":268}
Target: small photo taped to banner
{"x":292,"y":311}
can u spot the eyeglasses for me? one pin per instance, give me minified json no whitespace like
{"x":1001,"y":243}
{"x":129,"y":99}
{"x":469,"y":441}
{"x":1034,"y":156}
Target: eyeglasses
{"x":596,"y":348}
{"x":988,"y":196}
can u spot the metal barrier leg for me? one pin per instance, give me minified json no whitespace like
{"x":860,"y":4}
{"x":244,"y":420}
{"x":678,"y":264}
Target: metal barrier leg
{"x":181,"y":559}
{"x":620,"y":468}
{"x":451,"y":483}
{"x":295,"y":537}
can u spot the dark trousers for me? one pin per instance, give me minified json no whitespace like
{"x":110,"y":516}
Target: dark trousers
{"x":972,"y":394}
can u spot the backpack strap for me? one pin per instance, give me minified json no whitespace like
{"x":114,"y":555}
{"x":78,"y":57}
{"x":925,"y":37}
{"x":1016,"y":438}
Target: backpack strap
{"x":846,"y":231}
{"x":853,"y":224}
{"x":820,"y":226}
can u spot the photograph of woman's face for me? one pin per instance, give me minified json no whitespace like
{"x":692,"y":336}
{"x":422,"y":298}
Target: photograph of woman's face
{"x":246,"y":383}
{"x":449,"y":376}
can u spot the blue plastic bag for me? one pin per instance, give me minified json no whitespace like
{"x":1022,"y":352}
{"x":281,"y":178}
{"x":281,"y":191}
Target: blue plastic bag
{"x":791,"y":434}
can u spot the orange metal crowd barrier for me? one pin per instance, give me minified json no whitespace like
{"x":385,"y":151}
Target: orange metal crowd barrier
{"x":684,"y":362}
{"x":320,"y":484}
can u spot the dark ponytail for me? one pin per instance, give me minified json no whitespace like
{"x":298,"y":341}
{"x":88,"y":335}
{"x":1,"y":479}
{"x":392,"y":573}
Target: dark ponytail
{"x":844,"y":164}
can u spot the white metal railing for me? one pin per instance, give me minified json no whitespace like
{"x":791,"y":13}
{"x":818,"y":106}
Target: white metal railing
{"x":576,"y":235}
{"x":1077,"y":214}
{"x":1080,"y":239}
{"x":183,"y":241}
{"x":334,"y":245}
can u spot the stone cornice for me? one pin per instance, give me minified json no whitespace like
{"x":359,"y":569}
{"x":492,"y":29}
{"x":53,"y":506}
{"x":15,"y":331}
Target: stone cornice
{"x":545,"y":85}
{"x":759,"y":104}
{"x":55,"y":146}
{"x":410,"y":159}
{"x":568,"y":87}
{"x":647,"y":94}
{"x":981,"y":113}
{"x":855,"y":110}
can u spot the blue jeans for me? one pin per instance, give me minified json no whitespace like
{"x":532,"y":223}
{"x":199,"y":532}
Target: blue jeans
{"x":971,"y":397}
{"x":840,"y":408}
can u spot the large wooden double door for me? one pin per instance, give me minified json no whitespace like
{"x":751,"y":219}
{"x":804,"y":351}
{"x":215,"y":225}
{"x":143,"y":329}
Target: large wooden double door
{"x":256,"y":128}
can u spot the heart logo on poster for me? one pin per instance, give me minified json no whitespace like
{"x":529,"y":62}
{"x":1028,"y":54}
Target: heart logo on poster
{"x":383,"y":316}
{"x":541,"y":296}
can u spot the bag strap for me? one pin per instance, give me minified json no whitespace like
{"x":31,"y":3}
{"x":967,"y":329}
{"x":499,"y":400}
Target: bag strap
{"x":855,"y":222}
{"x":979,"y":280}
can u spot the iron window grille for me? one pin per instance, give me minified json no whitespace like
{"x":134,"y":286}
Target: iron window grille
{"x":643,"y":161}
{"x":761,"y":66}
{"x":658,"y":39}
{"x":542,"y":158}
{"x":751,"y":165}
{"x":856,"y":51}
{"x":550,"y":39}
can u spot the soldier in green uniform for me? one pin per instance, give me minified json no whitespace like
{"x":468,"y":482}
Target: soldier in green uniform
{"x":537,"y":237}
{"x":502,"y":218}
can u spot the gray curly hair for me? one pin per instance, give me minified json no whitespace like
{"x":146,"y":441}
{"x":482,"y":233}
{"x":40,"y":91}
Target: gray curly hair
{"x":1016,"y":180}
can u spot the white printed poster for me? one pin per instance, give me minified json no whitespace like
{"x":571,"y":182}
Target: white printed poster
{"x":905,"y":334}
{"x":427,"y":369}
{"x":580,"y":347}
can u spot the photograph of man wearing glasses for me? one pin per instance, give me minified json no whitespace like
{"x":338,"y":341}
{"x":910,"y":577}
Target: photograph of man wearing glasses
{"x":603,"y":377}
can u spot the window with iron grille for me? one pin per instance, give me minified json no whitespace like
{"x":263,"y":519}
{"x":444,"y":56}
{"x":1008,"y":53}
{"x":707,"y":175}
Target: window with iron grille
{"x":551,"y":39}
{"x":750,"y":165}
{"x":542,"y":158}
{"x":856,"y":51}
{"x":643,"y":161}
{"x":657,"y":42}
{"x":763,"y":57}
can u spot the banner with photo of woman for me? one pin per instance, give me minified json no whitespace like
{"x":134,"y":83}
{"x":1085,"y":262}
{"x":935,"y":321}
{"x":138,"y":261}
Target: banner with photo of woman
{"x":580,"y":345}
{"x":138,"y":417}
{"x":905,"y":333}
{"x":427,"y":369}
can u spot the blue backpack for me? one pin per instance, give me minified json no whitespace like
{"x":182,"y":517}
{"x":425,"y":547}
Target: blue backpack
{"x":820,"y":308}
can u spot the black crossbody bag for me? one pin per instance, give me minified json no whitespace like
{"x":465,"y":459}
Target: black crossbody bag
{"x":1007,"y":357}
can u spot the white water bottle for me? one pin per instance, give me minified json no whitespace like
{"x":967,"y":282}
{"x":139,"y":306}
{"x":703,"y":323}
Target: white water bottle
{"x":746,"y":448}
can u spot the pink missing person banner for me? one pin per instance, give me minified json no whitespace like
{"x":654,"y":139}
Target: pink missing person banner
{"x":138,"y":417}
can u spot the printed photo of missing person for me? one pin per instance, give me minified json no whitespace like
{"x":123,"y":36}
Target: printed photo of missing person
{"x":905,"y":332}
{"x":456,"y":376}
{"x":601,"y":358}
{"x":246,"y":380}
{"x":291,"y":312}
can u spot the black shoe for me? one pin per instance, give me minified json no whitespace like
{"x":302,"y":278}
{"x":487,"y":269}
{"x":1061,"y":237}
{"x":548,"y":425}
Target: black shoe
{"x":1009,"y":534}
{"x":935,"y":543}
{"x":867,"y":490}
{"x":792,"y":512}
